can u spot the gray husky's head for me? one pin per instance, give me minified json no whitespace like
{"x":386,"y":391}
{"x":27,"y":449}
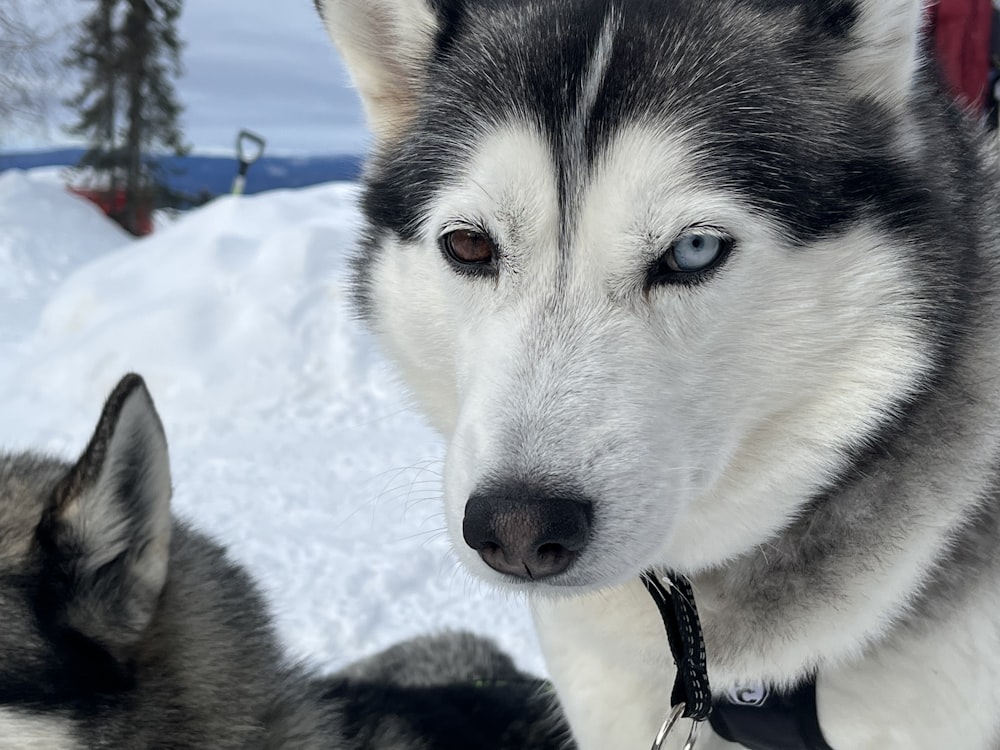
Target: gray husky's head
{"x":120,"y":627}
{"x":658,"y":270}
{"x":83,"y":559}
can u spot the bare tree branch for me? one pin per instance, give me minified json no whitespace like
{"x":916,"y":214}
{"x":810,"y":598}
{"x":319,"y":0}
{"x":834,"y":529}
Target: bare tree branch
{"x":30,"y":73}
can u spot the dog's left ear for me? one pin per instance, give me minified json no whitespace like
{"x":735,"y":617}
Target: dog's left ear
{"x":883,"y":50}
{"x":109,"y":524}
{"x":386,"y":45}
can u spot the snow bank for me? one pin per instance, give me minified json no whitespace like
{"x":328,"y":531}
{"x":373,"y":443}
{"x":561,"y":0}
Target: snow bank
{"x":290,"y":440}
{"x":45,"y":232}
{"x":231,"y":307}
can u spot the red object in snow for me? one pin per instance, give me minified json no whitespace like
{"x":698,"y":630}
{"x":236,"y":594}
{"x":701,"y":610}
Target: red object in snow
{"x":960,"y":31}
{"x":112,"y":203}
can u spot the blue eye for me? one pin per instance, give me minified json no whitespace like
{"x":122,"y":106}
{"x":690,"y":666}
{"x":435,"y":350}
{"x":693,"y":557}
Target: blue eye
{"x":694,"y":252}
{"x":689,"y":258}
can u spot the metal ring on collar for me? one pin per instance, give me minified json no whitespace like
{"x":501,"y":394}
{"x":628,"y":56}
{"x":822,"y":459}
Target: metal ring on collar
{"x":676,"y":713}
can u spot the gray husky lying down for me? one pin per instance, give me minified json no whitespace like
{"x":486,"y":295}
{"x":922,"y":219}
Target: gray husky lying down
{"x":122,"y":628}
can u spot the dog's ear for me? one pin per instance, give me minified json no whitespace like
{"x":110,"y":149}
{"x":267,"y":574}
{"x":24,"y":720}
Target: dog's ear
{"x":884,"y":50}
{"x":109,"y":524}
{"x":386,"y":45}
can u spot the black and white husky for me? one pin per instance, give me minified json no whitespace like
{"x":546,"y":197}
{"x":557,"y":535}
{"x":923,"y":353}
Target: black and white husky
{"x":707,"y":287}
{"x":122,"y":629}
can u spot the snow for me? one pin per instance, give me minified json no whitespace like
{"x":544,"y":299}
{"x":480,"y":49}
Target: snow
{"x":44,"y":233}
{"x":291,"y":441}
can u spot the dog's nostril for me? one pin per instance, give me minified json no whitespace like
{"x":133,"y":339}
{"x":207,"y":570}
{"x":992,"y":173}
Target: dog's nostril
{"x":553,"y":551}
{"x":490,"y":551}
{"x":551,"y":559}
{"x":494,"y":556}
{"x":526,"y":532}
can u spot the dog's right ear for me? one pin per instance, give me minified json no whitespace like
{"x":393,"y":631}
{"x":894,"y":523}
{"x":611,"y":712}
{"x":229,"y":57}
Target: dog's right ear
{"x":109,"y":525}
{"x":386,"y":45}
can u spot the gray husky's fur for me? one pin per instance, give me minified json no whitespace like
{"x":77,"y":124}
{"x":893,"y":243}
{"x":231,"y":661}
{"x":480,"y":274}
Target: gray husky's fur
{"x":709,"y":286}
{"x":121,"y":628}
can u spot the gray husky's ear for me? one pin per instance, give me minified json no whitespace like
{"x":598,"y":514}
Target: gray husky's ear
{"x":110,"y":522}
{"x":386,"y":45}
{"x":885,"y":53}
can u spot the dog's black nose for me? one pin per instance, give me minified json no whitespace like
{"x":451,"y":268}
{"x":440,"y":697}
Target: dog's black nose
{"x":525,"y":532}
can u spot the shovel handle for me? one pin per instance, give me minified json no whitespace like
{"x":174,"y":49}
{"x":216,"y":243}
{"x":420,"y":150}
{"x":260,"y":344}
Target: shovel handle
{"x":249,"y":147}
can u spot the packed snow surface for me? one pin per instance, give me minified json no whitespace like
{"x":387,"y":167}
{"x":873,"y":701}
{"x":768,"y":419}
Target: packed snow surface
{"x":291,"y":441}
{"x":44,"y":233}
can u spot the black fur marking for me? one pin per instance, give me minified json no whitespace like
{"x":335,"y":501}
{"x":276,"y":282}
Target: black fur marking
{"x":450,"y":15}
{"x":839,"y":19}
{"x":835,"y":18}
{"x":484,"y":714}
{"x":361,"y":293}
{"x":499,"y":61}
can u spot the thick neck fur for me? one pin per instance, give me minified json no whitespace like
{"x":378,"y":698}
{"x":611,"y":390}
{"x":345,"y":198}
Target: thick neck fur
{"x":909,"y":533}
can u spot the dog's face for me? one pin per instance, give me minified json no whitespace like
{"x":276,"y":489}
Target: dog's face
{"x":636,"y":261}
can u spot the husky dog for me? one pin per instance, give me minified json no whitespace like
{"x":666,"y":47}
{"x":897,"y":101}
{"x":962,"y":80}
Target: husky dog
{"x":122,"y":628}
{"x":707,"y":287}
{"x":455,"y":691}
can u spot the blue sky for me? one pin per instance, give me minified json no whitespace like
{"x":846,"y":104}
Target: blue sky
{"x":266,"y":65}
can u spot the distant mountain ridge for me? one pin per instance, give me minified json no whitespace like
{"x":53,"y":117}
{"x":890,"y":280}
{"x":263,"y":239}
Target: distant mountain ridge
{"x":196,"y":174}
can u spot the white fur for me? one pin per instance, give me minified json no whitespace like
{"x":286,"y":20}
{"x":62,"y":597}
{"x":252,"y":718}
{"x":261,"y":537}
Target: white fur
{"x":616,"y":695}
{"x":939,"y":687}
{"x":885,"y":54}
{"x":21,"y":730}
{"x":593,"y":80}
{"x":933,"y":690}
{"x":518,"y":171}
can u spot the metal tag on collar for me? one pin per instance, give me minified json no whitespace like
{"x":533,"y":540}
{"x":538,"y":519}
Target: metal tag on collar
{"x":676,"y":714}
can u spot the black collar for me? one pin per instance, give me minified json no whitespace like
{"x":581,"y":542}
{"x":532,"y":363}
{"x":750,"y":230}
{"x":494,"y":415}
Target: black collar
{"x":755,"y":717}
{"x":761,"y":719}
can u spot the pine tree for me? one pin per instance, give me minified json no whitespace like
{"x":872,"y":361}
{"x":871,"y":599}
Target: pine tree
{"x":95,"y":52}
{"x":130,"y":53}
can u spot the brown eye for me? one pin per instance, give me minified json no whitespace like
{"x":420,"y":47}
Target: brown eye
{"x":468,"y":247}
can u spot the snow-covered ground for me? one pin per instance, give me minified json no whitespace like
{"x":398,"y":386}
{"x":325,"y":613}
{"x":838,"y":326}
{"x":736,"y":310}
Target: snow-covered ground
{"x":291,"y":441}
